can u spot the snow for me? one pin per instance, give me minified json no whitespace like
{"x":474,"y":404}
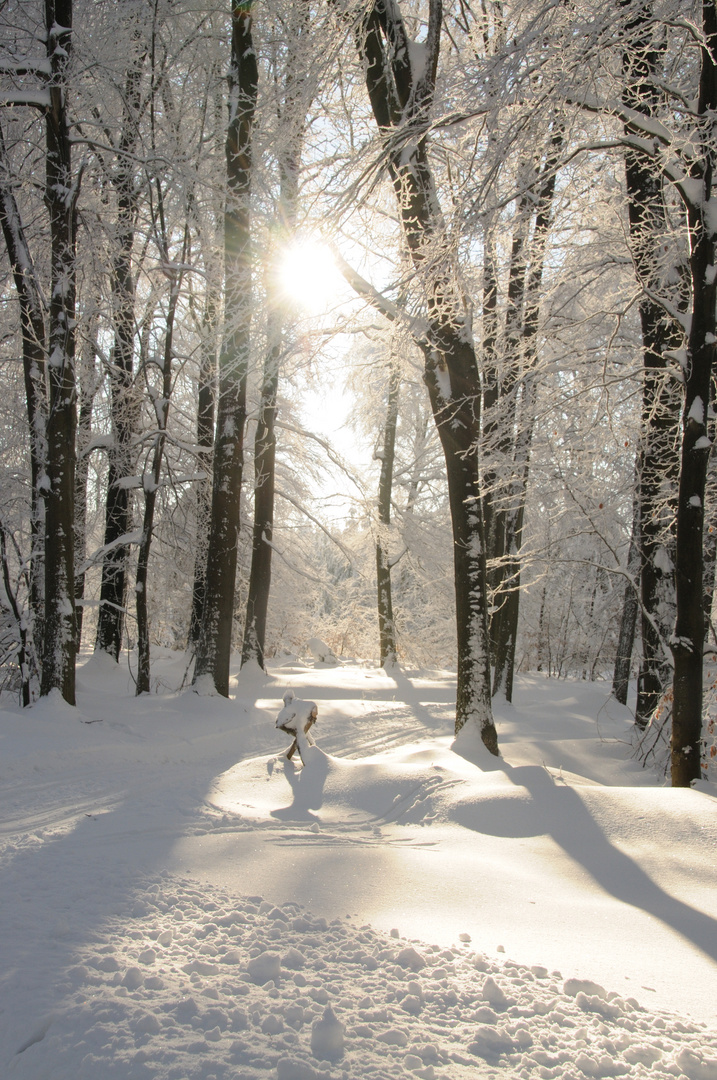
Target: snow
{"x":39,"y":99}
{"x":178,"y":901}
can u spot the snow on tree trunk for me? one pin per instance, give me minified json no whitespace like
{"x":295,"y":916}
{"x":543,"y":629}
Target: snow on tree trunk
{"x":32,"y":320}
{"x":659,"y":462}
{"x":58,"y":654}
{"x":386,"y":625}
{"x":688,"y":640}
{"x":124,"y":402}
{"x":628,"y":622}
{"x":205,"y":438}
{"x":400,"y":103}
{"x":88,"y":384}
{"x":515,"y":434}
{"x":290,"y":136}
{"x":214,"y":650}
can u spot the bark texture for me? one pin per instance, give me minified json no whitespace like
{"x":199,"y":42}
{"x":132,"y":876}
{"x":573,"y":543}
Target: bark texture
{"x":386,"y":625}
{"x":214,"y":650}
{"x":292,"y":121}
{"x":58,"y":654}
{"x":688,"y":640}
{"x":401,"y":100}
{"x":34,"y":352}
{"x":661,"y":399}
{"x":125,"y":404}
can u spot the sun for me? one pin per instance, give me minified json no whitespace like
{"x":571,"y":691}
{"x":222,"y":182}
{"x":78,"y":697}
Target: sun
{"x":308,"y":275}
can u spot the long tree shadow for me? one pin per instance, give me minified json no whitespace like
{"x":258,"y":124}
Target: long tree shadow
{"x":410,"y":694}
{"x":558,"y":811}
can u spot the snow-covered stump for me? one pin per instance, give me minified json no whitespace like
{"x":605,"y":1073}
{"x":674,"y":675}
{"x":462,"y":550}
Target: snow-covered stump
{"x":321,"y":653}
{"x":296,"y":718}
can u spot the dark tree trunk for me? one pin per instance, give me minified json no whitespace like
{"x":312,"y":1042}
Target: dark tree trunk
{"x":207,"y":393}
{"x":386,"y":625}
{"x":22,"y":657}
{"x":151,"y":481}
{"x":125,"y":406}
{"x":88,"y":384}
{"x":659,"y":459}
{"x":264,"y":486}
{"x":58,"y":654}
{"x":34,"y":352}
{"x":290,"y":144}
{"x":688,"y":640}
{"x":500,"y":404}
{"x":628,"y":622}
{"x":710,"y":546}
{"x":214,"y":651}
{"x":515,"y":439}
{"x":205,"y":439}
{"x":505,"y":620}
{"x":400,"y":104}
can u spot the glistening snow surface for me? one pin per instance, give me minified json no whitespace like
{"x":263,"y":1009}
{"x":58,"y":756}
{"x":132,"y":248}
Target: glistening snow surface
{"x":179,"y":902}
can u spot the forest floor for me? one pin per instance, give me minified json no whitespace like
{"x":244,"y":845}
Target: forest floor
{"x":178,"y":901}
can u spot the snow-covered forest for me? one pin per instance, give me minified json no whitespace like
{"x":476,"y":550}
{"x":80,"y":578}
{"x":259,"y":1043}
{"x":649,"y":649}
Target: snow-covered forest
{"x":358,"y":390}
{"x":387,"y":325}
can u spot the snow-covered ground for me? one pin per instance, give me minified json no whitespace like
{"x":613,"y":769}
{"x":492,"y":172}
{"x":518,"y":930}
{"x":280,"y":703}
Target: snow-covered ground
{"x":178,"y":901}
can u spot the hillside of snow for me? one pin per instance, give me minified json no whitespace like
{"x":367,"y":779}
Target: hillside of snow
{"x":179,"y":901}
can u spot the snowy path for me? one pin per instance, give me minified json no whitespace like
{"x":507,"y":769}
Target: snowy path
{"x":129,"y":848}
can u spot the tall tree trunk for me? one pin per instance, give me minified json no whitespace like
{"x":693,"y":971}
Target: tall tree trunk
{"x":659,"y":460}
{"x":400,"y":103}
{"x":22,"y":656}
{"x":206,"y":401}
{"x":205,"y":439}
{"x":710,"y":541}
{"x":499,"y":409}
{"x":688,"y":641}
{"x":151,"y":479}
{"x":88,"y":384}
{"x":264,"y":487}
{"x":386,"y":625}
{"x":214,"y":651}
{"x":628,"y":622}
{"x":524,"y":302}
{"x":505,"y":619}
{"x":34,"y":351}
{"x":290,"y":138}
{"x":125,"y":406}
{"x":58,"y":654}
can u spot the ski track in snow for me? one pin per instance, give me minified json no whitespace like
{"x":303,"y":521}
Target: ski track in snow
{"x":114,"y":969}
